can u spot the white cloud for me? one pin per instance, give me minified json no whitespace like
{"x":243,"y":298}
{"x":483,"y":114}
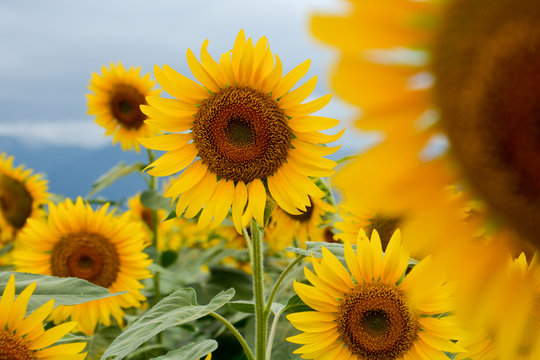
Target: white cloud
{"x":79,"y":133}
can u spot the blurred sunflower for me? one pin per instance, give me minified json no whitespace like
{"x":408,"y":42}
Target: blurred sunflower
{"x":501,"y":339}
{"x":115,"y":100}
{"x":378,"y":313}
{"x":24,"y":338}
{"x":22,"y":194}
{"x":353,"y":221}
{"x":144,"y":214}
{"x":425,"y":71}
{"x":461,"y":73}
{"x":96,"y":246}
{"x":311,"y":225}
{"x":249,"y":131}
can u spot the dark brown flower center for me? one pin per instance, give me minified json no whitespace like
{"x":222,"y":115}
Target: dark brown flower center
{"x":15,"y":201}
{"x":487,"y":64}
{"x":13,"y":347}
{"x":375,"y":322}
{"x":87,"y":256}
{"x":241,"y":134}
{"x":125,"y":103}
{"x":385,"y":226}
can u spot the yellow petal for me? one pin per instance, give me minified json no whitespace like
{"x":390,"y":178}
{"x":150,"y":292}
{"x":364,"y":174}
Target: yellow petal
{"x":304,"y":109}
{"x":51,"y":336}
{"x":298,"y":95}
{"x":257,"y":200}
{"x":188,"y":87}
{"x":173,"y":161}
{"x":187,"y":179}
{"x":6,"y":301}
{"x":282,"y":200}
{"x":290,"y":79}
{"x":200,"y":73}
{"x":166,"y":142}
{"x":238,"y":205}
{"x":312,"y":123}
{"x":273,"y":78}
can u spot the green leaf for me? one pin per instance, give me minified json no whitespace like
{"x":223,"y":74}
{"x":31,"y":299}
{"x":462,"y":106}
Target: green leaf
{"x":314,"y":247}
{"x":176,"y":309}
{"x":191,"y":352}
{"x":116,"y":172}
{"x":295,"y":304}
{"x":154,"y":200}
{"x":268,"y":210}
{"x":64,"y":291}
{"x":171,"y":215}
{"x":245,"y":306}
{"x":168,"y":258}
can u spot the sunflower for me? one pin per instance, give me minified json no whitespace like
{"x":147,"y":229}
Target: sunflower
{"x":372,"y":311}
{"x":22,"y":194}
{"x":96,"y":246}
{"x":23,"y":337}
{"x":311,"y":225}
{"x":115,"y":100}
{"x":456,"y":72}
{"x":249,"y":134}
{"x":144,"y":214}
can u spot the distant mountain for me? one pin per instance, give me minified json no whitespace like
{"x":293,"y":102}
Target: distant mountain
{"x":72,"y":170}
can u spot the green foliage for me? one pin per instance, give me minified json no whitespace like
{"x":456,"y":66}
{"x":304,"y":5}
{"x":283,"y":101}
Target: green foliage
{"x":64,"y":291}
{"x":154,"y":200}
{"x":191,"y":352}
{"x":116,"y":172}
{"x":178,"y":308}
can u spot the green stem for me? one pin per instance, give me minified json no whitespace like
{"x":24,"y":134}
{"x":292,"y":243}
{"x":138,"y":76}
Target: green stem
{"x":278,"y":283}
{"x":272,"y":332}
{"x":157,"y":292}
{"x":261,"y":320}
{"x":236,"y":334}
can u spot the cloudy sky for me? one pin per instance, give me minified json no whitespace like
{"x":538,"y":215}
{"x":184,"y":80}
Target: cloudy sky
{"x":50,"y":48}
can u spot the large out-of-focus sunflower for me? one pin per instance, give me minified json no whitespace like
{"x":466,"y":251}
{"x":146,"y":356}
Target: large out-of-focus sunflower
{"x":371,"y":311}
{"x":311,"y":225}
{"x":22,"y":337}
{"x":97,"y":246}
{"x":465,"y":72}
{"x":115,"y":100}
{"x":22,"y":193}
{"x":249,"y":133}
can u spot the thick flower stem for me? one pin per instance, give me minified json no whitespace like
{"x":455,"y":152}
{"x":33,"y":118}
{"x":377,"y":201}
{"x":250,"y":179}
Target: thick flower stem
{"x":261,"y":319}
{"x":157,"y":292}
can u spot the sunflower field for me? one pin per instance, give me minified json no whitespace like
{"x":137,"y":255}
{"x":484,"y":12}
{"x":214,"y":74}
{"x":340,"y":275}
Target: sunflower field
{"x":255,"y":237}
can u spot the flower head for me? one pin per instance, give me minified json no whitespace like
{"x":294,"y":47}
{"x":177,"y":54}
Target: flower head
{"x":115,"y":100}
{"x":370,"y":310}
{"x":93,"y":245}
{"x":24,"y":337}
{"x":22,"y":193}
{"x":249,"y":134}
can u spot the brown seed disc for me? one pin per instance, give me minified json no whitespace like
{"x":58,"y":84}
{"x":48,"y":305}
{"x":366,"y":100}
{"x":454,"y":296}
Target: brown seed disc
{"x":125,"y":102}
{"x":15,"y":201}
{"x":241,"y":134}
{"x":487,"y":65}
{"x":385,"y":226}
{"x":86,"y":256}
{"x":375,"y":322}
{"x":13,"y":347}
